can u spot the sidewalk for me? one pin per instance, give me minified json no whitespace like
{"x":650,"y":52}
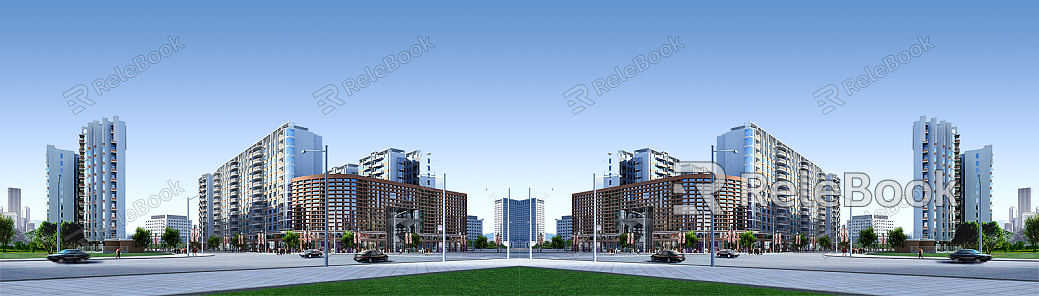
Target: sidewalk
{"x":113,"y":258}
{"x":818,"y":281}
{"x":916,"y":258}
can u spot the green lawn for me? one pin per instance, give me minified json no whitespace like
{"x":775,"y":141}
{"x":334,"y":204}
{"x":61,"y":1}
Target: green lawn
{"x":519,"y":280}
{"x":14,"y":255}
{"x":1022,"y":255}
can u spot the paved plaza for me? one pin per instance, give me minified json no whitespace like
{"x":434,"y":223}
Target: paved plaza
{"x":195,"y":282}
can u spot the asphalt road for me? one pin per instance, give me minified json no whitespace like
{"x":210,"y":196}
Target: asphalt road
{"x":1016,"y":270}
{"x":28,"y":270}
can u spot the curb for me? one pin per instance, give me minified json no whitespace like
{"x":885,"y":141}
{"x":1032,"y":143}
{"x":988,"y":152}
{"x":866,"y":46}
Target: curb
{"x":930,"y":258}
{"x":112,"y":258}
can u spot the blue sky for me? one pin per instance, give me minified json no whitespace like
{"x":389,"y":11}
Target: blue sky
{"x":486,"y":101}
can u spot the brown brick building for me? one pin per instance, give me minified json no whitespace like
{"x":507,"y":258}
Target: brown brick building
{"x":359,"y":204}
{"x":671,"y":213}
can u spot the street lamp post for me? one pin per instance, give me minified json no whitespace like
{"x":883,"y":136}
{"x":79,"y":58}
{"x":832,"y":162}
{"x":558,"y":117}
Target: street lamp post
{"x":532,"y":212}
{"x":188,"y":216}
{"x":508,"y":222}
{"x":325,"y":151}
{"x":713,"y":202}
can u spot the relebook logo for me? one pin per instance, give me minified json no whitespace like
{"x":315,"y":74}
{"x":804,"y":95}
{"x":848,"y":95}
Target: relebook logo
{"x":106,"y":84}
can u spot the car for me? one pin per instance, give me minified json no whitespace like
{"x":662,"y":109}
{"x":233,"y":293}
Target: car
{"x":311,"y":254}
{"x":727,"y":253}
{"x":370,"y":255}
{"x":69,"y":255}
{"x":668,"y":256}
{"x":969,"y":255}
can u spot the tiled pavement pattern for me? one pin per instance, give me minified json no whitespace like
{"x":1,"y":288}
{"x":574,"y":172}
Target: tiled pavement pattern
{"x":826,"y":282}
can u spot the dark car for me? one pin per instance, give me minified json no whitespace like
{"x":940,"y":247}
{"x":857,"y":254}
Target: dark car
{"x":69,"y":255}
{"x":668,"y":256}
{"x":370,"y":255}
{"x":311,"y":254}
{"x":728,"y":253}
{"x":969,"y":255}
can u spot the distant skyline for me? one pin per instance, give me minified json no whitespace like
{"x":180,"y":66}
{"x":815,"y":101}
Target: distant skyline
{"x":488,"y":101}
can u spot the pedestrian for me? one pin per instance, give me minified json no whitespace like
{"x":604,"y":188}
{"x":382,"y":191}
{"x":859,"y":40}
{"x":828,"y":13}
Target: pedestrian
{"x":921,"y":253}
{"x":118,"y":253}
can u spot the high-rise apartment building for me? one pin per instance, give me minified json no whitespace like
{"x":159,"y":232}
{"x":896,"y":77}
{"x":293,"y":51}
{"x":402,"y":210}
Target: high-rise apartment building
{"x":880,"y":223}
{"x":512,"y":220}
{"x":473,"y":227}
{"x":398,"y":166}
{"x":158,"y":223}
{"x":102,"y":146}
{"x":361,"y":205}
{"x":565,"y":227}
{"x":936,"y":155}
{"x":250,"y":193}
{"x":64,"y":201}
{"x":14,"y":202}
{"x":778,"y":167}
{"x":346,"y":169}
{"x":643,"y":165}
{"x":975,"y":186}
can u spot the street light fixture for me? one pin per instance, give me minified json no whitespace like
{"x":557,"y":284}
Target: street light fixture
{"x":532,"y":212}
{"x":325,"y":151}
{"x":713,"y":200}
{"x":188,"y":216}
{"x":508,"y":222}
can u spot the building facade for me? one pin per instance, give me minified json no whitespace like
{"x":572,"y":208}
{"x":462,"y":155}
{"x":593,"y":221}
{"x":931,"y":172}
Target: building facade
{"x":250,"y":193}
{"x":473,"y":227}
{"x":565,"y":227}
{"x":643,"y":165}
{"x":975,"y":182}
{"x":880,"y":223}
{"x":783,"y":173}
{"x":360,"y":204}
{"x":14,"y":202}
{"x":102,"y":147}
{"x":64,"y":201}
{"x":672,"y":213}
{"x":1024,"y":202}
{"x":512,"y":221}
{"x":936,"y":154}
{"x":396,"y":165}
{"x":346,"y":169}
{"x":158,"y":223}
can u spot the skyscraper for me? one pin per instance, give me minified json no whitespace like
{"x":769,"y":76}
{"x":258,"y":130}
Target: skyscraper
{"x":975,"y":182}
{"x":936,"y":153}
{"x":514,"y":216}
{"x":63,"y":198}
{"x":778,"y":166}
{"x":102,"y":146}
{"x":1024,"y":203}
{"x":1012,"y":219}
{"x":250,"y":193}
{"x":14,"y":202}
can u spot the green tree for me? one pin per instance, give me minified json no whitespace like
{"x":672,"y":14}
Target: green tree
{"x":824,"y":242}
{"x":867,"y":237}
{"x":6,"y":231}
{"x":1031,"y":232}
{"x":804,"y":241}
{"x":171,"y":237}
{"x":347,"y":240}
{"x":622,"y":240}
{"x":44,"y":236}
{"x":843,"y":245}
{"x":141,"y":237}
{"x":896,"y":238}
{"x":557,"y":242}
{"x":213,"y":242}
{"x":291,"y":239}
{"x":747,"y":239}
{"x":72,"y":235}
{"x":481,"y":242}
{"x":691,"y":240}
